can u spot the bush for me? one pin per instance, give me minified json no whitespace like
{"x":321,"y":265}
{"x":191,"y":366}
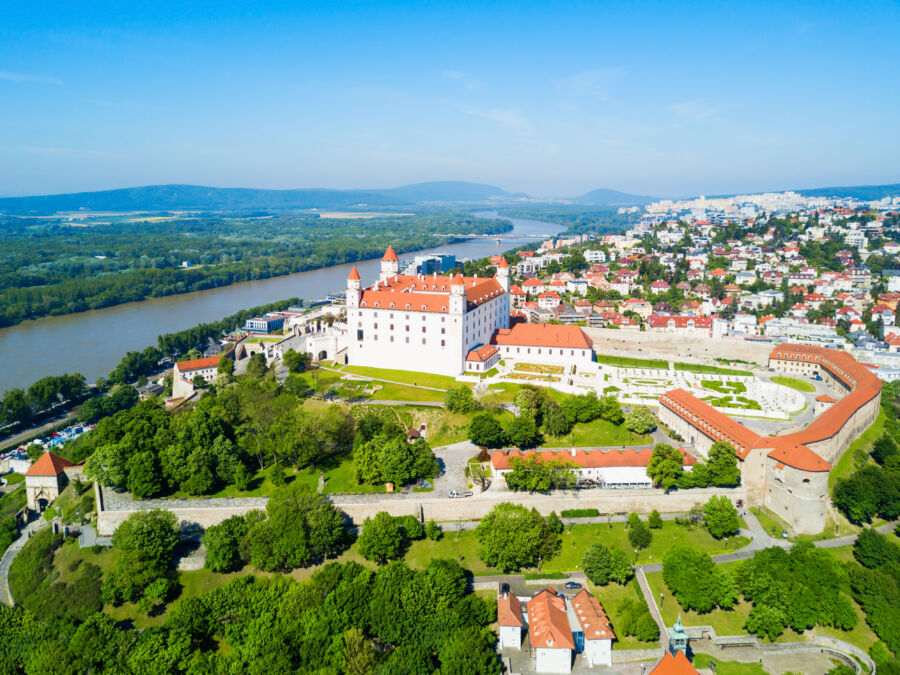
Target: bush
{"x":637,"y":620}
{"x":603,"y":564}
{"x":579,"y":513}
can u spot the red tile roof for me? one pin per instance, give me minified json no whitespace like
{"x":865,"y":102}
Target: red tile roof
{"x":198,"y":364}
{"x":548,"y":625}
{"x":49,"y":465}
{"x":542,"y":335}
{"x":427,"y":294}
{"x":354,"y":275}
{"x":482,"y":353}
{"x":591,"y":616}
{"x":674,"y":665}
{"x":390,"y":254}
{"x":509,"y":610}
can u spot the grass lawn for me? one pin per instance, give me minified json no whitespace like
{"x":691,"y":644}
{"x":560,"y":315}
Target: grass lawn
{"x":725,"y":387}
{"x":399,"y":392}
{"x":13,"y":478}
{"x":793,"y":383}
{"x":404,"y":376}
{"x":845,"y":465}
{"x":505,"y":392}
{"x":772,"y":524}
{"x":612,"y":596}
{"x":626,"y":362}
{"x":729,"y":667}
{"x":698,"y":368}
{"x":597,"y":433}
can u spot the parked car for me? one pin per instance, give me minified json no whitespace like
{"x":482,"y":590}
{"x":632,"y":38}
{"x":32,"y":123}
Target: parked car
{"x":573,"y":585}
{"x":454,"y":494}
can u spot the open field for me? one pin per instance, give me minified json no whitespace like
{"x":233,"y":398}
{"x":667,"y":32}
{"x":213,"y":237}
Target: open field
{"x":630,"y":362}
{"x":793,"y":383}
{"x":597,"y":433}
{"x":404,"y":376}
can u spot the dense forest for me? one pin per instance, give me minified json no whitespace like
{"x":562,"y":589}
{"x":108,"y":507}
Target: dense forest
{"x":577,"y":219}
{"x":56,"y":268}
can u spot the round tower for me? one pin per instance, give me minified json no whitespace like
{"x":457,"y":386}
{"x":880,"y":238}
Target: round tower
{"x":390,"y":264}
{"x":354,"y":288}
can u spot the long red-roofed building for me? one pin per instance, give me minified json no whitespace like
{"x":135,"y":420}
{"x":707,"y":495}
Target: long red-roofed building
{"x":788,"y":473}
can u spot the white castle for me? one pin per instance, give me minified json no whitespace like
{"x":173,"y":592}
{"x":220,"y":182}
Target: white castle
{"x":423,"y":323}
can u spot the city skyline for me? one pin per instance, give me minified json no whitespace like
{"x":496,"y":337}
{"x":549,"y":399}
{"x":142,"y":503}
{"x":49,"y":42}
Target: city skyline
{"x":655,"y":100}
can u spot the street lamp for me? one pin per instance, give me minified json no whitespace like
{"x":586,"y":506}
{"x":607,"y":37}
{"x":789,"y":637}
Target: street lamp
{"x":661,"y":596}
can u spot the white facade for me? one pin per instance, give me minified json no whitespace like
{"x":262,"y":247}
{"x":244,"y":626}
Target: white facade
{"x":423,"y":323}
{"x":551,"y":660}
{"x":510,"y":636}
{"x":598,"y":652}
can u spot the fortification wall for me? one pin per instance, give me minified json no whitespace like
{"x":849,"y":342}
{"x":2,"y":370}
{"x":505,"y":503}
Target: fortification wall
{"x":695,"y":349}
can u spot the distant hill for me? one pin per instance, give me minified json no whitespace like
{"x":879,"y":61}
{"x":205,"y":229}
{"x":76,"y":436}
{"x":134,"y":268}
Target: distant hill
{"x":865,"y":192}
{"x":200,"y":198}
{"x":612,"y":197}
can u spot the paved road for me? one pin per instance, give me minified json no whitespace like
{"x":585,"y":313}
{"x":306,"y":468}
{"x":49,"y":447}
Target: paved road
{"x":10,"y":554}
{"x":13,"y":441}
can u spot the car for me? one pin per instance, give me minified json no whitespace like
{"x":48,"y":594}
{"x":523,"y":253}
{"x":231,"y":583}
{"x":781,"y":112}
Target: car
{"x":573,"y":585}
{"x":455,"y":494}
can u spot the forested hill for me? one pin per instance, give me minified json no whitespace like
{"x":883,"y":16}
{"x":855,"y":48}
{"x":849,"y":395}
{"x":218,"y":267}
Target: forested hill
{"x":200,"y":198}
{"x":605,"y":196}
{"x":866,"y":192}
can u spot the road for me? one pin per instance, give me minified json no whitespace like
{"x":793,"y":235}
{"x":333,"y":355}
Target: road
{"x":19,"y":438}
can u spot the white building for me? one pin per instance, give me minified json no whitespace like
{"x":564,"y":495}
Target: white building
{"x":423,"y":323}
{"x":184,"y":372}
{"x":510,"y":621}
{"x":550,"y":634}
{"x":545,"y":343}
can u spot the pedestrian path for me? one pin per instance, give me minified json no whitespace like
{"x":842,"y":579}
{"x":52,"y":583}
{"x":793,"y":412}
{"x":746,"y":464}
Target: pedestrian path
{"x":10,"y":554}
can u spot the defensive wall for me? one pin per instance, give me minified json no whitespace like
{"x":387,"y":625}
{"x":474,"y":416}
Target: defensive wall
{"x":788,"y":473}
{"x":689,"y":348}
{"x":113,"y":508}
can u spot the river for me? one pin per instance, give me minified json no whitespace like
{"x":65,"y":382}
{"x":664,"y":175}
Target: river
{"x":91,"y":343}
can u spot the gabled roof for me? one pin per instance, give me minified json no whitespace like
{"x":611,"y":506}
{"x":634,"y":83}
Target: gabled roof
{"x":674,"y":665}
{"x":49,"y":465}
{"x":548,"y":625}
{"x":591,"y":616}
{"x":509,"y":610}
{"x":198,"y":364}
{"x":542,"y":335}
{"x":482,"y":353}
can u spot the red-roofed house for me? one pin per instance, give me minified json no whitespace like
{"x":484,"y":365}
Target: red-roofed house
{"x":674,"y":664}
{"x":184,"y":372}
{"x":550,"y":634}
{"x":482,"y":359}
{"x":510,"y":621}
{"x":545,"y":343}
{"x":46,"y":478}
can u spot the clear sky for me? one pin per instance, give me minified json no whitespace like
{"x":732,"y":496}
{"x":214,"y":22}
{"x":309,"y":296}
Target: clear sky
{"x":553,"y":99}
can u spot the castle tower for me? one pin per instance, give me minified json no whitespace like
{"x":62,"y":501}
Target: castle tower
{"x":502,"y":275}
{"x":457,"y":294}
{"x":354,"y":288}
{"x":390,"y":264}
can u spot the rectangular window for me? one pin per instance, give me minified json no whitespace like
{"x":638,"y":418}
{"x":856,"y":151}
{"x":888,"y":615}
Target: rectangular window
{"x":375,"y":326}
{"x":423,"y":329}
{"x":392,"y":338}
{"x":443,"y":331}
{"x":443,"y":343}
{"x":407,"y":329}
{"x":392,"y":326}
{"x":423,"y":341}
{"x":407,"y":340}
{"x":359,"y":335}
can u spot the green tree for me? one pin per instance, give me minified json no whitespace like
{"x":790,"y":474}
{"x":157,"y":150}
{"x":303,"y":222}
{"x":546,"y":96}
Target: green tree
{"x":146,"y":543}
{"x":535,"y":474}
{"x":143,"y":475}
{"x":639,"y":534}
{"x":665,"y":466}
{"x":460,"y":400}
{"x":556,"y":422}
{"x":640,"y":420}
{"x":485,"y":431}
{"x":256,"y":366}
{"x":722,"y":467}
{"x":381,"y":538}
{"x":226,"y":366}
{"x":513,"y":537}
{"x":655,"y":520}
{"x":695,"y":581}
{"x":224,"y":542}
{"x":523,"y":432}
{"x":603,"y":564}
{"x":722,"y":519}
{"x":294,"y":361}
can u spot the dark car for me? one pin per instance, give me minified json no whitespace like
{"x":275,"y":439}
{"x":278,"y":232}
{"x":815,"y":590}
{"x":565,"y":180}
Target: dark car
{"x":573,"y":585}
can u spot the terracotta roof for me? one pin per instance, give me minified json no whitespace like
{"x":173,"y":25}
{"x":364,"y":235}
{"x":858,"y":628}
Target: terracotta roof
{"x":481,"y":353}
{"x":198,"y":364}
{"x":533,"y":281}
{"x":674,"y":665}
{"x":716,"y":425}
{"x":509,"y":610}
{"x":542,"y":335}
{"x":799,"y":457}
{"x":390,"y":254}
{"x":591,"y":616}
{"x":588,"y":459}
{"x":502,"y":263}
{"x":428,"y":293}
{"x":49,"y":465}
{"x":548,"y":625}
{"x":825,"y":398}
{"x":354,"y":275}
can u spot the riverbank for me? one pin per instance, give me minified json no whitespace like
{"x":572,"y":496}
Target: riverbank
{"x":93,"y":342}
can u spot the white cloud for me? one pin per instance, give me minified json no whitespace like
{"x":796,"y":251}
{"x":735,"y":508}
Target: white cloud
{"x":25,"y":77}
{"x":511,"y":117}
{"x":697,"y":110}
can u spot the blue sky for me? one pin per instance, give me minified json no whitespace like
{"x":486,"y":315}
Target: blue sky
{"x":554,"y":99}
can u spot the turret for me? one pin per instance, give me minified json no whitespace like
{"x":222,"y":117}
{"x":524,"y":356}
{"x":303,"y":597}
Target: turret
{"x":502,"y":275}
{"x":390,"y":264}
{"x":457,"y":294}
{"x":354,"y":288}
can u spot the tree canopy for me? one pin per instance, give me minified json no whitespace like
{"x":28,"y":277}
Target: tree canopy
{"x":512,"y":537}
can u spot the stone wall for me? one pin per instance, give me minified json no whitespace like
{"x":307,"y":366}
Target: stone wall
{"x":800,"y":498}
{"x":192,"y":513}
{"x":653,"y":344}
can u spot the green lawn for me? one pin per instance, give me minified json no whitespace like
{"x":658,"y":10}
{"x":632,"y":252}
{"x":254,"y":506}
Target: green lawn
{"x":772,"y":524}
{"x":733,"y":402}
{"x":399,"y":392}
{"x":612,"y":596}
{"x":627,"y":362}
{"x":13,"y":478}
{"x":505,"y":392}
{"x":729,"y":667}
{"x":597,"y":433}
{"x":725,"y":387}
{"x":404,"y":376}
{"x":793,"y":383}
{"x":845,"y":465}
{"x":698,"y":368}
